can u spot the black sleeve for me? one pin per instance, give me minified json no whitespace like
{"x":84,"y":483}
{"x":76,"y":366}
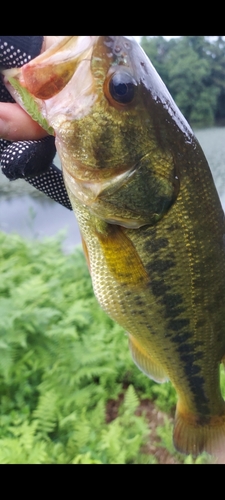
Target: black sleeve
{"x":18,"y":50}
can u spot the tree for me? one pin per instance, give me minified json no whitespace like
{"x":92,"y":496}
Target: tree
{"x":193,"y":68}
{"x":157,"y":49}
{"x":217,"y":53}
{"x":189,"y":73}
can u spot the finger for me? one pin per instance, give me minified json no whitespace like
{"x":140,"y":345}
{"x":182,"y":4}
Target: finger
{"x":17,"y":125}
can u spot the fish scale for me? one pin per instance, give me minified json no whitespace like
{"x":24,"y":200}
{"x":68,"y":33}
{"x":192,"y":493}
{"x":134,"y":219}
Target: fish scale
{"x":175,"y":325}
{"x":151,"y":221}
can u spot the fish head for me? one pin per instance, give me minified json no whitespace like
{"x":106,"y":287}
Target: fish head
{"x":114,"y":123}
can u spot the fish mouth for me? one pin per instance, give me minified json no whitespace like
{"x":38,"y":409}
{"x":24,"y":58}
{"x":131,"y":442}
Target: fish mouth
{"x":48,"y":73}
{"x":60,"y":79}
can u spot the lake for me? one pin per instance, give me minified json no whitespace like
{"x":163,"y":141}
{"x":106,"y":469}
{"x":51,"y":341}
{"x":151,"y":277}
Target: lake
{"x":31,"y":214}
{"x":26,"y":211}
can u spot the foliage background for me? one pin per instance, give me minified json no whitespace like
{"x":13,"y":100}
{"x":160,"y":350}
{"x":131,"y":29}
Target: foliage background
{"x":63,"y":363}
{"x":193,"y":69}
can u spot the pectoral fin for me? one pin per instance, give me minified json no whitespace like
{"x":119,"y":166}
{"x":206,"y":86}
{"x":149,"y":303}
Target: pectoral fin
{"x":144,"y":361}
{"x":121,"y":257}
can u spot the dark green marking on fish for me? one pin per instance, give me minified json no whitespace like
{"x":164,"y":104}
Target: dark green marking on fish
{"x":178,"y":324}
{"x":182,"y":338}
{"x":175,"y":299}
{"x":198,"y":354}
{"x":171,"y":311}
{"x":138,"y":311}
{"x":107,"y":144}
{"x":191,"y":370}
{"x":155,"y":244}
{"x":139,"y":302}
{"x":160,"y":266}
{"x":159,"y":288}
{"x":178,"y":328}
{"x":200,"y":323}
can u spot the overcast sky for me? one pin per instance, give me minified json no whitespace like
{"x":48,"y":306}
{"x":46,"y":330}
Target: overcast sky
{"x":137,"y":37}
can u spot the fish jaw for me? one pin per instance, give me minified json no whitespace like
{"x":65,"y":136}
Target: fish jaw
{"x":49,"y":78}
{"x":48,"y":73}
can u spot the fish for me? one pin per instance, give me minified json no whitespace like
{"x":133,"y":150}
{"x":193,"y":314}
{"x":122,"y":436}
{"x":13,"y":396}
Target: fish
{"x":151,"y":221}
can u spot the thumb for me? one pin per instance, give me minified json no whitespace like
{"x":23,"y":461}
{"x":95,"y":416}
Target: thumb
{"x":17,"y":125}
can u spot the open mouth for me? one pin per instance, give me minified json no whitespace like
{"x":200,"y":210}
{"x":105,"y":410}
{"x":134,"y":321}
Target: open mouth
{"x":47,"y":74}
{"x":59,"y":79}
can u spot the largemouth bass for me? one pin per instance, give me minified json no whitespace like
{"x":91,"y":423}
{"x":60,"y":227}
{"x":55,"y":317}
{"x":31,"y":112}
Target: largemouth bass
{"x":151,"y":221}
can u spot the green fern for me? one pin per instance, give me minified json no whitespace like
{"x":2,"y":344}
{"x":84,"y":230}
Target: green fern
{"x":85,"y":459}
{"x":45,"y":414}
{"x":61,"y":360}
{"x":131,"y":401}
{"x":165,"y":433}
{"x":23,"y":447}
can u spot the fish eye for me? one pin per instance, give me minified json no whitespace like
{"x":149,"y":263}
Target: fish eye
{"x":122,"y":87}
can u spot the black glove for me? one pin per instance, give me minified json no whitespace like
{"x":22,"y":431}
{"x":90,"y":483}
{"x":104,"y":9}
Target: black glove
{"x":29,"y":160}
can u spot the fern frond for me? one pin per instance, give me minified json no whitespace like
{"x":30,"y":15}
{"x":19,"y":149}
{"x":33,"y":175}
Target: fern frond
{"x":131,"y":400}
{"x":46,"y":412}
{"x":85,"y":459}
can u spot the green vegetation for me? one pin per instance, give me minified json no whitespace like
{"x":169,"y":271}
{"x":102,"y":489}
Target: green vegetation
{"x":193,"y":69}
{"x":63,"y":362}
{"x":30,"y":105}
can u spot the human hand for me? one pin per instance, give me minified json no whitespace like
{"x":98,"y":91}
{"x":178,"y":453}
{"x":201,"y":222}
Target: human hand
{"x":15,"y":123}
{"x":31,"y":154}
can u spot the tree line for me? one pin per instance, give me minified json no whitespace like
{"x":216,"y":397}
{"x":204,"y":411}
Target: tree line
{"x":193,"y":69}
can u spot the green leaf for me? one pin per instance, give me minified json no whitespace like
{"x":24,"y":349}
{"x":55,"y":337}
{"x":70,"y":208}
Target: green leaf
{"x":30,"y":105}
